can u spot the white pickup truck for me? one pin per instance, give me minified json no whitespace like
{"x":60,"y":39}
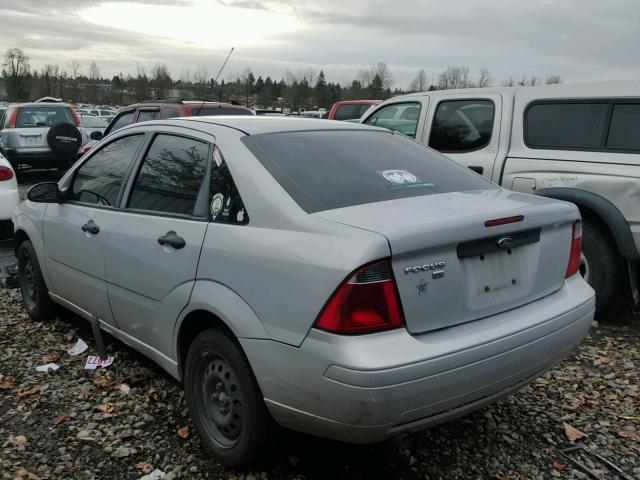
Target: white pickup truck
{"x":579,"y":143}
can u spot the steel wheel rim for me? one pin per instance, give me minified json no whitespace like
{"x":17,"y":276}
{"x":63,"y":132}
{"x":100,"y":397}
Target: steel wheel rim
{"x":29,"y":284}
{"x":584,"y":267}
{"x":223,"y":402}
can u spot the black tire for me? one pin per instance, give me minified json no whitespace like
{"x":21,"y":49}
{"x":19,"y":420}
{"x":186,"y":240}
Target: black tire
{"x":603,"y":268}
{"x":35,"y":295}
{"x":64,"y":139}
{"x":225,"y":401}
{"x":6,"y":229}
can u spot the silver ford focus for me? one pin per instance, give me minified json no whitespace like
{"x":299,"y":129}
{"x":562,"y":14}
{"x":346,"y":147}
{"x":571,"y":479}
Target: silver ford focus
{"x":328,"y":277}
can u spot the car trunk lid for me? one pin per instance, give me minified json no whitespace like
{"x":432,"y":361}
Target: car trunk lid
{"x":451,"y":268}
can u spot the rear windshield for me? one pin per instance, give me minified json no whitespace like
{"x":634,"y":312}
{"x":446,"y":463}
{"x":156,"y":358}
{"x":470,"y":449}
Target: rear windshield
{"x":43,"y":116}
{"x":212,"y":111}
{"x":322,"y":170}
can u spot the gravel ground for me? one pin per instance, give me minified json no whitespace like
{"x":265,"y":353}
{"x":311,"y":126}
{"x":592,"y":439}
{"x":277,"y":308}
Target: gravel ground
{"x":130,"y":419}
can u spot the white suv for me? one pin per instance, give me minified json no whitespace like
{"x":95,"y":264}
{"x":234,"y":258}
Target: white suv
{"x":579,"y":143}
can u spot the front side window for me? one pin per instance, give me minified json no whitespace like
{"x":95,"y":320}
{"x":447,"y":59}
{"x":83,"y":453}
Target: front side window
{"x":624,"y":131}
{"x":99,"y":179}
{"x":462,"y":125}
{"x":145,"y":115}
{"x":226,"y":206}
{"x":119,"y":122}
{"x":565,"y":125}
{"x":399,"y":117}
{"x":171,"y":176}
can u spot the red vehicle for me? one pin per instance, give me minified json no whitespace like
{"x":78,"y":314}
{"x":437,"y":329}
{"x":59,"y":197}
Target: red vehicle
{"x":351,"y":109}
{"x":162,"y":109}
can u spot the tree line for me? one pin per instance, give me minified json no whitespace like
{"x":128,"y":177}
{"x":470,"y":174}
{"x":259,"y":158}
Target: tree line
{"x":303,"y":90}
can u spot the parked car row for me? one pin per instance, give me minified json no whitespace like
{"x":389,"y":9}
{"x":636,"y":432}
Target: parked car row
{"x":333,"y":278}
{"x":342,"y":279}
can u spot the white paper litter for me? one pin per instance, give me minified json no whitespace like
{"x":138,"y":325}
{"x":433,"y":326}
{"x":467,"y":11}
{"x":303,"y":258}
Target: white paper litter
{"x":78,"y":348}
{"x":155,"y":475}
{"x":47,"y":367}
{"x":95,"y":362}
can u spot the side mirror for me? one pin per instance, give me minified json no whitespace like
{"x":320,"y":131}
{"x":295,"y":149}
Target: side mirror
{"x":96,"y":135}
{"x":46,"y":192}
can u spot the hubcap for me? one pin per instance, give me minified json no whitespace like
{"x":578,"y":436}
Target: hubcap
{"x":584,"y":267}
{"x":29,"y":284}
{"x":223,"y":401}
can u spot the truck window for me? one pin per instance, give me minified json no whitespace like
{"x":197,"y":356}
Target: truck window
{"x":462,"y":125}
{"x":565,"y":125}
{"x":625,"y":125}
{"x":400,"y":117}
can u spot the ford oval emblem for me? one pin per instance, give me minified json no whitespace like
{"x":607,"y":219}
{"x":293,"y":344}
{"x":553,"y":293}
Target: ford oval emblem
{"x":505,"y":243}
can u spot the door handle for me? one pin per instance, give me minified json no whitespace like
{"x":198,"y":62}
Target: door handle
{"x":172,"y":239}
{"x":91,"y":227}
{"x":477,"y":169}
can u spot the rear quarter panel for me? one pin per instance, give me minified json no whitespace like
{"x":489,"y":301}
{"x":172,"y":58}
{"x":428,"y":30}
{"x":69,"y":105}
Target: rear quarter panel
{"x":616,"y":182}
{"x":614,"y":176}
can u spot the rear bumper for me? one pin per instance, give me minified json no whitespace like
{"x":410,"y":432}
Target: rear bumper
{"x":35,"y":156}
{"x":9,"y":200}
{"x":635,"y":232}
{"x":368,"y":388}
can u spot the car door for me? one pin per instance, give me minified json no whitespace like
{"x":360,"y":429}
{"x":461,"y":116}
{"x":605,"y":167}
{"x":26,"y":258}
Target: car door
{"x":152,"y":254}
{"x":466,"y":128}
{"x":74,"y":231}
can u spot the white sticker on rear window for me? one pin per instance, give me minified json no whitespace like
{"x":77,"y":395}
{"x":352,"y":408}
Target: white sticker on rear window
{"x":399,"y":177}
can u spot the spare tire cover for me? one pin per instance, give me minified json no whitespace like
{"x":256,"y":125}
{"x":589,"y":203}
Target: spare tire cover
{"x":64,"y":138}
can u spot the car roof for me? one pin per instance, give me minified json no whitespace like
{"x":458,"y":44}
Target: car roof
{"x":42,"y":104}
{"x":186,"y":103}
{"x":620,"y":88}
{"x":255,"y":125}
{"x":366,"y":102}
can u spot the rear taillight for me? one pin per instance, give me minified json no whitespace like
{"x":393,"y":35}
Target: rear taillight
{"x":13,"y":119}
{"x":5,"y":173}
{"x":366,"y":302}
{"x":576,"y":250}
{"x":76,"y":118}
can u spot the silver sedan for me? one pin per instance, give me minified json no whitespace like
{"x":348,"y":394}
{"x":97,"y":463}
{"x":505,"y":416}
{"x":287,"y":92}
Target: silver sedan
{"x":328,"y":277}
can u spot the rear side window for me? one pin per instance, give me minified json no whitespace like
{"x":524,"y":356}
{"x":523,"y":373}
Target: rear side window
{"x":399,"y":117}
{"x":122,"y":121}
{"x":99,"y":180}
{"x":624,"y":131}
{"x":145,"y":115}
{"x":213,"y":111}
{"x":171,"y":176}
{"x":351,"y":111}
{"x":43,"y":116}
{"x":566,"y":125}
{"x":462,"y":125}
{"x":226,"y":205}
{"x":322,"y":170}
{"x":171,"y":112}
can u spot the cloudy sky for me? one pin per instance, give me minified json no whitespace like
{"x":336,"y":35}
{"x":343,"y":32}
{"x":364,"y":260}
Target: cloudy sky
{"x":580,"y":40}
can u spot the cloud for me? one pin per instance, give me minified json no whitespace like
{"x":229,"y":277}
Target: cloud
{"x":578,"y":39}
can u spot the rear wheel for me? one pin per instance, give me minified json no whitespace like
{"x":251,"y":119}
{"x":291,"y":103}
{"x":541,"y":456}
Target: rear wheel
{"x":34,"y":291}
{"x":601,"y":265}
{"x":225,"y":401}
